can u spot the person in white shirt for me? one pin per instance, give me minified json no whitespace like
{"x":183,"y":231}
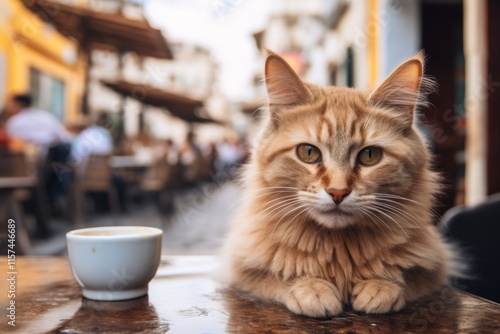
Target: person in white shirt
{"x":94,"y":139}
{"x":44,"y":130}
{"x":34,"y":126}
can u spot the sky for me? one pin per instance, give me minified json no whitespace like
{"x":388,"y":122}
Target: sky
{"x":224,"y":27}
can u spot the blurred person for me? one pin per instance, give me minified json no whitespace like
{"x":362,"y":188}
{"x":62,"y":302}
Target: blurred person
{"x":32,"y":125}
{"x":230,"y":154}
{"x":169,"y":150}
{"x":190,"y":158}
{"x":213,"y":154}
{"x":92,"y":139}
{"x":45,"y":141}
{"x":13,"y":139}
{"x":28,"y":126}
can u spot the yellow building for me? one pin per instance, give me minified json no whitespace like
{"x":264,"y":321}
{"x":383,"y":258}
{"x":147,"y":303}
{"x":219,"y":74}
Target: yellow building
{"x":36,"y":58}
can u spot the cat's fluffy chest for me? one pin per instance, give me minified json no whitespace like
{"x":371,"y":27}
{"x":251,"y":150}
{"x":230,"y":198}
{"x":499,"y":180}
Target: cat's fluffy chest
{"x":343,"y":256}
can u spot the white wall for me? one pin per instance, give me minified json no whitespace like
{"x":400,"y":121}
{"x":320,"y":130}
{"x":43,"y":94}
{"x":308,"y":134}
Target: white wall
{"x":399,"y":23}
{"x":303,"y":7}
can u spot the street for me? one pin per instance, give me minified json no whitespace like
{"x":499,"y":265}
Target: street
{"x":197,"y":226}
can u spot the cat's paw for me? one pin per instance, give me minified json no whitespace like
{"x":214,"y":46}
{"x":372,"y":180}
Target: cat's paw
{"x":314,"y":297}
{"x":377,"y":296}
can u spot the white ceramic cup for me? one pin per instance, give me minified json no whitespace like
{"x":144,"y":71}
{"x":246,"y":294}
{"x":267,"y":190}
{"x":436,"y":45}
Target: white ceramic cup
{"x":114,"y":262}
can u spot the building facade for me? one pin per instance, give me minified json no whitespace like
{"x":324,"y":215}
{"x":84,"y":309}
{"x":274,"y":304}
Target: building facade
{"x":35,"y":58}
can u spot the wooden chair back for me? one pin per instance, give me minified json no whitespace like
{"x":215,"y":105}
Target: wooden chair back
{"x":13,"y":164}
{"x":96,"y":175}
{"x":157,"y":176}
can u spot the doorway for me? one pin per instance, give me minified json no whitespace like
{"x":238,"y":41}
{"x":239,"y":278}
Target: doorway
{"x":442,"y":40}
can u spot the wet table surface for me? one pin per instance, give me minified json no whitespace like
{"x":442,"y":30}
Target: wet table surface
{"x":184,"y":298}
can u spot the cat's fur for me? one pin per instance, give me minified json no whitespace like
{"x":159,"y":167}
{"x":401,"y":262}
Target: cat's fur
{"x":289,"y":245}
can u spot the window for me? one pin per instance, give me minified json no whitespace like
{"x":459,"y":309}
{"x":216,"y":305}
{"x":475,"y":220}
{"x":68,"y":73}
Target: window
{"x":343,"y":75}
{"x":349,"y":64}
{"x":48,"y":93}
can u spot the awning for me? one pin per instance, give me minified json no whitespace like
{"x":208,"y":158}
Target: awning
{"x":180,"y":106}
{"x":101,"y":30}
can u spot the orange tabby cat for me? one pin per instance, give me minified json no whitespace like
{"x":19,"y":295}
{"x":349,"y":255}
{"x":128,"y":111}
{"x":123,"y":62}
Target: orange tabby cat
{"x":338,"y":197}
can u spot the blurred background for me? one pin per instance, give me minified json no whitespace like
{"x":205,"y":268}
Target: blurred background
{"x":138,"y":112}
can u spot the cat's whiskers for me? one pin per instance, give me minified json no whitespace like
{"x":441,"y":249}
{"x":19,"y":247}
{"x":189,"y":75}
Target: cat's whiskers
{"x":254,"y":195}
{"x":397,"y":211}
{"x":272,"y":193}
{"x":266,"y":204}
{"x":422,"y":205}
{"x":393,"y":196}
{"x":298,"y":214}
{"x":305,"y":207}
{"x":386,"y":227}
{"x":370,"y":215}
{"x":289,"y":212}
{"x":374,"y":208}
{"x":390,"y":202}
{"x":278,"y":207}
{"x":440,"y":220}
{"x":407,"y":210}
{"x":277,"y":189}
{"x":251,"y":196}
{"x":283,"y":208}
{"x":288,"y":203}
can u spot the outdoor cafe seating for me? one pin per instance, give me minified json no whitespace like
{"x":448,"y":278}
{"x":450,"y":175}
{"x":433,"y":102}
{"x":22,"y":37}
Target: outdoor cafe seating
{"x":95,"y":177}
{"x":16,"y":184}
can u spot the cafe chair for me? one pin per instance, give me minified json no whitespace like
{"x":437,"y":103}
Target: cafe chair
{"x":207,"y":166}
{"x":13,"y":169}
{"x":476,"y":231}
{"x":95,"y":177}
{"x":157,"y":176}
{"x":191,"y":172}
{"x":157,"y":180}
{"x":13,"y":164}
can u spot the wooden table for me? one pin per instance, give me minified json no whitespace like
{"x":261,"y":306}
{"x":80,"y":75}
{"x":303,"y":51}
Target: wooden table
{"x":130,"y":167}
{"x":183,"y":298}
{"x":130,"y":161}
{"x":10,"y":208}
{"x":17,"y":182}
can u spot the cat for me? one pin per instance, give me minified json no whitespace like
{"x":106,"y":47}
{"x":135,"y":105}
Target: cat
{"x":338,"y":196}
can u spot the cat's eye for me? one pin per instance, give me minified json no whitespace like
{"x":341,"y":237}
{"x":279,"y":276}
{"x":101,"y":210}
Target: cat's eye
{"x":370,"y":155}
{"x":308,"y":153}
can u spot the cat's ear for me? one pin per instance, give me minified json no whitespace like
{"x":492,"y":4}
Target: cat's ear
{"x":401,"y":91}
{"x":284,"y":87}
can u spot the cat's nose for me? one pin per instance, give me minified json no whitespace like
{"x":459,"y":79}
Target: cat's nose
{"x":338,"y":195}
